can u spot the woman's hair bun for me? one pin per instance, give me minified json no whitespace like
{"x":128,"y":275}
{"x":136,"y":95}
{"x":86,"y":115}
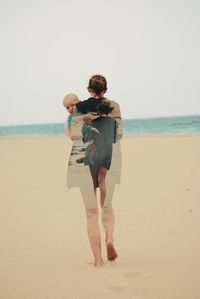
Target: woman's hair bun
{"x":97,"y":84}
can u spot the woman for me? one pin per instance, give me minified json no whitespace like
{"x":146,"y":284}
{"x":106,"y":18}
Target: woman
{"x":104,"y":164}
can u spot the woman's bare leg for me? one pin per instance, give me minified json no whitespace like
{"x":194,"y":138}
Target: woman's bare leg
{"x":94,"y":174}
{"x":94,"y":236}
{"x":102,"y":184}
{"x":108,"y":221}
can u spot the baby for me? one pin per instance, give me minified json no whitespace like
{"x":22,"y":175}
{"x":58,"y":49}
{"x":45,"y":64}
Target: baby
{"x":69,"y":102}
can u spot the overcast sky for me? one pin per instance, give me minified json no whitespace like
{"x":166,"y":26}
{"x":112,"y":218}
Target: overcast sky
{"x":147,"y":49}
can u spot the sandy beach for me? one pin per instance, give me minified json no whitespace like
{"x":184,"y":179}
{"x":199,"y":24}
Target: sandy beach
{"x":44,"y":248}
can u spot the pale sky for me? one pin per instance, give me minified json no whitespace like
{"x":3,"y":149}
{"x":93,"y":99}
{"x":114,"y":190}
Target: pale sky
{"x":147,"y":49}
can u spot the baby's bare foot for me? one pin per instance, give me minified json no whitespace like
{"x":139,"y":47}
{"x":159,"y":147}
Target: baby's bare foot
{"x":111,"y":252}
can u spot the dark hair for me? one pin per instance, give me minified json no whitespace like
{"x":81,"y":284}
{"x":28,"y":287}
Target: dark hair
{"x":100,"y":106}
{"x":104,"y":107}
{"x":97,"y":84}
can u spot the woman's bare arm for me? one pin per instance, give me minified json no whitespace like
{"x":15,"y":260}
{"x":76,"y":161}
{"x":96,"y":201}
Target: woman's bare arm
{"x":116,"y":114}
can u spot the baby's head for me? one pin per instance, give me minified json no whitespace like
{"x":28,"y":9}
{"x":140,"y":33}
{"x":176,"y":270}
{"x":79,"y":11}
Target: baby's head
{"x":69,"y":101}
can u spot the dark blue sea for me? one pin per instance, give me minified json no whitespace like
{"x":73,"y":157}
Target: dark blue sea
{"x":175,"y":124}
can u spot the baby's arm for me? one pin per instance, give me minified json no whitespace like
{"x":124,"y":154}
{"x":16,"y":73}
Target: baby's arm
{"x":95,"y":130}
{"x":88,"y":132}
{"x":89,"y":117}
{"x":85,"y":130}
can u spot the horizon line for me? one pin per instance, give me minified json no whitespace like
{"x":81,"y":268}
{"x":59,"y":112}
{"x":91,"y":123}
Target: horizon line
{"x":123,"y":119}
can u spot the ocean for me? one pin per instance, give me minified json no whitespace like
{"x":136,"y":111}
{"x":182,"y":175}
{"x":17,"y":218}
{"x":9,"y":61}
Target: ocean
{"x":174,"y":124}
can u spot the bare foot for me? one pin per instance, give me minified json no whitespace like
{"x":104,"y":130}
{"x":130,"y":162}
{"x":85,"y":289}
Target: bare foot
{"x":111,"y":252}
{"x":98,"y":262}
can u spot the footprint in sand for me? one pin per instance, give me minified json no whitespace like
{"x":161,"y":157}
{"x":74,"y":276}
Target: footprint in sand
{"x":134,"y":291}
{"x":118,"y":289}
{"x":138,"y":291}
{"x":131,"y":275}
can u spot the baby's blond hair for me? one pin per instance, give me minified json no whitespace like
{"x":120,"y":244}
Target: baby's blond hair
{"x":69,"y":99}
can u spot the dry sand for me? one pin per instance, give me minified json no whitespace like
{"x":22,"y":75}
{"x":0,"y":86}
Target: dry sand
{"x":44,"y":249}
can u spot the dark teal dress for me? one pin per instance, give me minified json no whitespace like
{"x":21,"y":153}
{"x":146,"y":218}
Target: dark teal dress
{"x":103,"y":142}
